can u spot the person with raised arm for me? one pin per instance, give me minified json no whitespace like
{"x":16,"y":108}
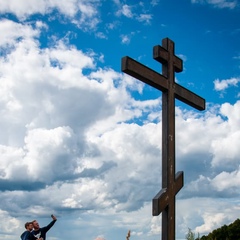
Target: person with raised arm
{"x":39,"y":233}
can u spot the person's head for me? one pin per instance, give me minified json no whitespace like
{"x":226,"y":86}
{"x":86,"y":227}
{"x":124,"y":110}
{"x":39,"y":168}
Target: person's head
{"x":29,"y":226}
{"x":35,"y":225}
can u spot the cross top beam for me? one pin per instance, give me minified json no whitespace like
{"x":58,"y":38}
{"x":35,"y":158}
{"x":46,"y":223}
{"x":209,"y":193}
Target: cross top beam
{"x":164,"y":201}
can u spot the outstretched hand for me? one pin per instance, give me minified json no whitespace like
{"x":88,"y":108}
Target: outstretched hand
{"x":53,"y":217}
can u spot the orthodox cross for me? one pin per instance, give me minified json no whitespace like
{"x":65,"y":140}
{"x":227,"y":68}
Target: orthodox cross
{"x":164,"y":201}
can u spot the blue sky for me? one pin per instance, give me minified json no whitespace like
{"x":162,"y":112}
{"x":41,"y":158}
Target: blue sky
{"x":82,"y":140}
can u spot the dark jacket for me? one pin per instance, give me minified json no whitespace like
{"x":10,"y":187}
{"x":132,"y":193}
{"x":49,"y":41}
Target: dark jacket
{"x":41,"y":232}
{"x":26,"y":235}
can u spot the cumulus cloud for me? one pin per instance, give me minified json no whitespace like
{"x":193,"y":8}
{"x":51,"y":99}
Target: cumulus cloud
{"x":206,"y":214}
{"x":38,"y":86}
{"x":229,"y":135}
{"x":226,"y":180}
{"x":14,"y":31}
{"x":82,"y":13}
{"x":10,"y":224}
{"x":74,"y":139}
{"x":221,"y":85}
{"x":214,"y":155}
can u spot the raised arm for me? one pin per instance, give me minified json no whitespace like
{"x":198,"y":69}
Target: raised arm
{"x":50,"y":224}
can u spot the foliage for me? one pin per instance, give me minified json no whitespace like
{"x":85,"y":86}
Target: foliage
{"x":230,"y":232}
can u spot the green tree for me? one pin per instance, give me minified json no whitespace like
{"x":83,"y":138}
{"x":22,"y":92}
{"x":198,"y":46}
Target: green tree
{"x":230,"y":232}
{"x":234,"y":230}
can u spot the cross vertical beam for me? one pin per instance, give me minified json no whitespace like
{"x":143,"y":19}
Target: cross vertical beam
{"x":164,"y":201}
{"x":172,"y":184}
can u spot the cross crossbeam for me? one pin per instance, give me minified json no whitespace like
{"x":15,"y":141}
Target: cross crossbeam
{"x":164,"y":201}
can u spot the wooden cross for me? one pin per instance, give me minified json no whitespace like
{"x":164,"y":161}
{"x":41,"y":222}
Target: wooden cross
{"x":164,"y":201}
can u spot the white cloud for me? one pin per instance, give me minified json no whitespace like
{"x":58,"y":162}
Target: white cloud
{"x":14,"y":31}
{"x":125,"y":39}
{"x":82,"y":13}
{"x":225,"y":180}
{"x":224,"y":149}
{"x":44,"y":84}
{"x":126,"y":11}
{"x":132,"y":12}
{"x":74,"y":136}
{"x":8,"y":224}
{"x":218,"y":3}
{"x":56,"y":147}
{"x":22,"y":8}
{"x":207,"y":214}
{"x":101,"y":35}
{"x":211,"y":222}
{"x":145,"y":18}
{"x":11,"y":163}
{"x":221,"y":85}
